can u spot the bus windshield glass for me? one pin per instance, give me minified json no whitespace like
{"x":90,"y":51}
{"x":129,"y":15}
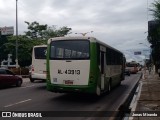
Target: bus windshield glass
{"x":40,"y":52}
{"x":70,"y":49}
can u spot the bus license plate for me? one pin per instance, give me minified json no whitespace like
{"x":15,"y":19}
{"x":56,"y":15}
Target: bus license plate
{"x":68,"y":82}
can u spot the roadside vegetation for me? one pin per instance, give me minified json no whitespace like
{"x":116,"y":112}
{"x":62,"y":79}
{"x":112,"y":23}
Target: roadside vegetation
{"x":36,"y":34}
{"x":154,"y":33}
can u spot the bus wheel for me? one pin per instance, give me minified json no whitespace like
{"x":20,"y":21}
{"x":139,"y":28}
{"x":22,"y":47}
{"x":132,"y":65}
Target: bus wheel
{"x":98,"y":91}
{"x":19,"y":83}
{"x":119,"y":83}
{"x":109,"y":86}
{"x":32,"y":80}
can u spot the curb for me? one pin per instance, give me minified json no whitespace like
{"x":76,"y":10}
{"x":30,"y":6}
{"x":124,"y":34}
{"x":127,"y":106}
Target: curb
{"x":124,"y":109}
{"x":136,"y":97}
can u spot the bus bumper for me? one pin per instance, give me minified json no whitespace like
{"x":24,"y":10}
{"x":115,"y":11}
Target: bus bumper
{"x":38,"y":76}
{"x":71,"y":89}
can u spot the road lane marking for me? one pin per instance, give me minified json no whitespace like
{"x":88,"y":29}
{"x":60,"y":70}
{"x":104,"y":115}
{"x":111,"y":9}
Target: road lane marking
{"x":17,"y":103}
{"x":28,"y":86}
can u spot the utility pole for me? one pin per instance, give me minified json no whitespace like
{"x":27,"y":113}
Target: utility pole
{"x":16,"y":35}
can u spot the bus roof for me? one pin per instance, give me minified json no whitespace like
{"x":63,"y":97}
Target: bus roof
{"x":40,"y":46}
{"x":91,"y":39}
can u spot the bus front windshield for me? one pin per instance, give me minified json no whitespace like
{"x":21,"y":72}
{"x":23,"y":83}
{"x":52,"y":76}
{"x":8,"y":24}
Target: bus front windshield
{"x":70,"y":49}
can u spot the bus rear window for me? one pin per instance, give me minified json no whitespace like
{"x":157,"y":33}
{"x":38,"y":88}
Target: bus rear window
{"x":40,"y":52}
{"x":70,"y":49}
{"x":131,"y":65}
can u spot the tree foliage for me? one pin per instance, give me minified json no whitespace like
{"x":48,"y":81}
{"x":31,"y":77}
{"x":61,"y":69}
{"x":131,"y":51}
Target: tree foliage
{"x":35,"y":30}
{"x":25,"y":46}
{"x":53,"y":32}
{"x":3,"y":54}
{"x":156,"y":10}
{"x":154,"y":33}
{"x":44,"y":32}
{"x":37,"y":34}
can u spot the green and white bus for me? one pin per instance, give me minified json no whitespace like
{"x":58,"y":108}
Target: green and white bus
{"x":83,"y":64}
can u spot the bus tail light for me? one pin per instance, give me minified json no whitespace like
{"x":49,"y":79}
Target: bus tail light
{"x":32,"y":69}
{"x":91,"y":77}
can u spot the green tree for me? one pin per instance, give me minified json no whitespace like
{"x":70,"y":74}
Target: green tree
{"x":36,"y":35}
{"x":53,"y":32}
{"x":154,"y":33}
{"x":37,"y":31}
{"x":25,"y":46}
{"x":156,"y":10}
{"x":3,"y":54}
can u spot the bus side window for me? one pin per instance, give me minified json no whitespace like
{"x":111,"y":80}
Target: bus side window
{"x":98,"y":54}
{"x":102,"y":62}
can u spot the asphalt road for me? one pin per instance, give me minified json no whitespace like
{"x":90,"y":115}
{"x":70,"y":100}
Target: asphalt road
{"x":35,"y":97}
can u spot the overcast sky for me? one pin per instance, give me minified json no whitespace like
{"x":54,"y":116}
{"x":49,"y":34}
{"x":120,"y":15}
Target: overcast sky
{"x":119,"y":23}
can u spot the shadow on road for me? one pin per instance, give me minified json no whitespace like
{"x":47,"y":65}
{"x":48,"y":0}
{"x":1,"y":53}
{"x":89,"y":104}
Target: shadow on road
{"x":76,"y":97}
{"x":7,"y":87}
{"x":87,"y":98}
{"x":42,"y":87}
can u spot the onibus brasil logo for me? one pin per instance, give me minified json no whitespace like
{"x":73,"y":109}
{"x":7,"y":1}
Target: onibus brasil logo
{"x":21,"y":114}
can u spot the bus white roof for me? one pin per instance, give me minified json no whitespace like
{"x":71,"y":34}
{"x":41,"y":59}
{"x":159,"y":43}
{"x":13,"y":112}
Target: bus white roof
{"x":91,"y":39}
{"x":40,"y":46}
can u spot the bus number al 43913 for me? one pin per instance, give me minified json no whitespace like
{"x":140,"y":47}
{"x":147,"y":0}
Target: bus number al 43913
{"x":77,"y":72}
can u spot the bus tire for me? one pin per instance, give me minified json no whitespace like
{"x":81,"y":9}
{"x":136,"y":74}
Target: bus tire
{"x":19,"y":83}
{"x":98,"y":91}
{"x":109,"y":86}
{"x":119,"y":83}
{"x":31,"y":80}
